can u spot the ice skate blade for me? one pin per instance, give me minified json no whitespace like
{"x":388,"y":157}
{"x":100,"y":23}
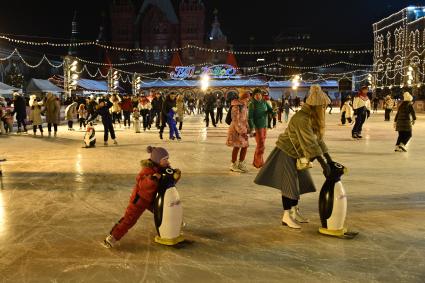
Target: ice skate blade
{"x":169,"y":242}
{"x":342,"y":233}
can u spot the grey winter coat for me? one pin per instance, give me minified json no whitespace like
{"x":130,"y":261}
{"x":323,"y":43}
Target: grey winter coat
{"x":71,"y":111}
{"x":402,"y":118}
{"x":52,"y":109}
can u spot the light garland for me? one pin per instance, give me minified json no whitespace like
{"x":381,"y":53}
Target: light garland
{"x":189,"y":46}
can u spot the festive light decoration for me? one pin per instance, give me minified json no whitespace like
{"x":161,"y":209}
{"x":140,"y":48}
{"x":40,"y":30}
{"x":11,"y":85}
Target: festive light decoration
{"x":70,"y":75}
{"x":189,"y":46}
{"x":403,"y":37}
{"x":205,"y":82}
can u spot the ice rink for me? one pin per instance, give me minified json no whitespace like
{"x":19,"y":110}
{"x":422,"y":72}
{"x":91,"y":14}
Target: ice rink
{"x":58,"y":201}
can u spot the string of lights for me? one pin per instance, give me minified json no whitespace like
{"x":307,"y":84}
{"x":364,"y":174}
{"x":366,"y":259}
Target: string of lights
{"x":189,"y":46}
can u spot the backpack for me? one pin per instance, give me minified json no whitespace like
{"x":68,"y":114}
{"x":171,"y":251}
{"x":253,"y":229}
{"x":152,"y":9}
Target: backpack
{"x":228,"y":119}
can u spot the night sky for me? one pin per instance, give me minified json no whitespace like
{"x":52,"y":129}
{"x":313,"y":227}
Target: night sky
{"x":332,"y":23}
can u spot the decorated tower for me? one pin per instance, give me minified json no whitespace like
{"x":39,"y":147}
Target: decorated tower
{"x":217,"y":40}
{"x":192,"y":29}
{"x":122,"y":23}
{"x":72,"y":51}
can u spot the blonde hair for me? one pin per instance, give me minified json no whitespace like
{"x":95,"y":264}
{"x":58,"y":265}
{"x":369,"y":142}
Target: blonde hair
{"x":317,"y":118}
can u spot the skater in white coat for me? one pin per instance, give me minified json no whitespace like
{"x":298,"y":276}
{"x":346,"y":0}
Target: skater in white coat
{"x":136,"y":120}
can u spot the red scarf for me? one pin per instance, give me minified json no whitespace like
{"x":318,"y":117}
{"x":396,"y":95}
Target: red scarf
{"x":364,"y":97}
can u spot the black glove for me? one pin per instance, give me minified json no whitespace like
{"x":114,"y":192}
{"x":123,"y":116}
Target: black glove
{"x":325,"y":166}
{"x":367,"y":114}
{"x":328,"y":158}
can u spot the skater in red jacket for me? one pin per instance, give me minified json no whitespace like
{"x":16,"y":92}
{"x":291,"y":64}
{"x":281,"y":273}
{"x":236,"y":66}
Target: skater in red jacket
{"x":143,"y":194}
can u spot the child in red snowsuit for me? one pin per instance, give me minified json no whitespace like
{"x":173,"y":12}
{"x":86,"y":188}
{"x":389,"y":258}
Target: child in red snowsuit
{"x":143,"y":193}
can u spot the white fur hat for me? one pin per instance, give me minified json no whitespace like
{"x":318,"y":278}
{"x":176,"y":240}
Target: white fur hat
{"x":407,"y":96}
{"x":317,"y":97}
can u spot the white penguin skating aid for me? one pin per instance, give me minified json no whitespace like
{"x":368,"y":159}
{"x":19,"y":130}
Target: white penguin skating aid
{"x":333,"y":204}
{"x":90,"y":136}
{"x":168,"y":211}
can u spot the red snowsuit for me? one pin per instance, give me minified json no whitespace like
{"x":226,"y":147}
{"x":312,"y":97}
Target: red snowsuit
{"x":141,"y":198}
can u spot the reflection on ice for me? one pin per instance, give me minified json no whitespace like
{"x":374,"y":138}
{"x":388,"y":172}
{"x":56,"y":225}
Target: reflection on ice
{"x":79,"y":174}
{"x":2,"y":214}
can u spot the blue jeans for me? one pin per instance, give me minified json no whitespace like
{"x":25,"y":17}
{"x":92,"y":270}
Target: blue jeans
{"x":173,"y":128}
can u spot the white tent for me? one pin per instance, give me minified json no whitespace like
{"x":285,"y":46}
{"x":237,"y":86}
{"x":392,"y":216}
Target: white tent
{"x":38,"y":85}
{"x":7,"y":90}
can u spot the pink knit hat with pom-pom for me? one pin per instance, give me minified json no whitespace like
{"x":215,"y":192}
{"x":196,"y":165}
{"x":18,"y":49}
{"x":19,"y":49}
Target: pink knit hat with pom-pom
{"x":157,"y":153}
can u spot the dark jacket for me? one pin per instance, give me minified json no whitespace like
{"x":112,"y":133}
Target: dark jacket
{"x":104,"y":113}
{"x":157,"y":103}
{"x":402,"y":118}
{"x":91,"y":107}
{"x":19,"y":107}
{"x":210,"y":102}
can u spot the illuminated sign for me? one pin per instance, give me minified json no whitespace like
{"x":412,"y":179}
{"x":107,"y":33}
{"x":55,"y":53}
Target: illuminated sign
{"x":216,"y":71}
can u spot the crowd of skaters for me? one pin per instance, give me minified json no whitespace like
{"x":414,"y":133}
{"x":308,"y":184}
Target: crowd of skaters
{"x":161,"y":110}
{"x":249,"y":114}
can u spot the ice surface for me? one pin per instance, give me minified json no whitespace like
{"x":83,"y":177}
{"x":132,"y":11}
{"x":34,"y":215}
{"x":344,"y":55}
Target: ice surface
{"x":58,"y":201}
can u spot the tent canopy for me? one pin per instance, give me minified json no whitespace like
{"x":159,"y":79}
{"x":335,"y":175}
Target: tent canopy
{"x":7,"y":90}
{"x":92,"y":85}
{"x":38,"y":85}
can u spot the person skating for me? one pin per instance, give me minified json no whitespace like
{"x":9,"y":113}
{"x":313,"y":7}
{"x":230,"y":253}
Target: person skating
{"x":361,"y":106}
{"x":20,"y":109}
{"x":35,"y":114}
{"x":136,"y":120}
{"x":403,"y":123}
{"x":127,"y":109}
{"x":167,"y":105}
{"x":181,"y":110}
{"x":103,"y":110}
{"x":210,"y":104}
{"x":82,"y":114}
{"x":52,"y":113}
{"x":375,"y":103}
{"x":388,"y":106}
{"x":172,"y":124}
{"x":259,"y":111}
{"x":220,"y":105}
{"x":237,"y":135}
{"x":116,"y":109}
{"x":70,"y":112}
{"x":145,"y":110}
{"x":143,"y":194}
{"x":286,"y":107}
{"x":303,"y":141}
{"x":156,"y":109}
{"x":91,"y":107}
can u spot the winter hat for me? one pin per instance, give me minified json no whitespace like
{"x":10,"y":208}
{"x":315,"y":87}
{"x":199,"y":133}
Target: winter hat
{"x":257,"y":90}
{"x":407,"y":96}
{"x":317,"y":97}
{"x":157,"y":153}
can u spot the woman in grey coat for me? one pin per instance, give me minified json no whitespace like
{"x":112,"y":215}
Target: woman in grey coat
{"x":403,"y":123}
{"x":52,"y":113}
{"x":303,"y":138}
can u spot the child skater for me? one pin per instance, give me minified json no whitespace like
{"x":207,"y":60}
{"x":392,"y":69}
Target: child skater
{"x":82,"y":114}
{"x":136,"y":120}
{"x":173,"y":124}
{"x":143,"y":194}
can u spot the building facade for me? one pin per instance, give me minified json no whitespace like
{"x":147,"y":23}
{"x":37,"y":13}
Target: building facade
{"x":158,"y":25}
{"x":399,"y":50}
